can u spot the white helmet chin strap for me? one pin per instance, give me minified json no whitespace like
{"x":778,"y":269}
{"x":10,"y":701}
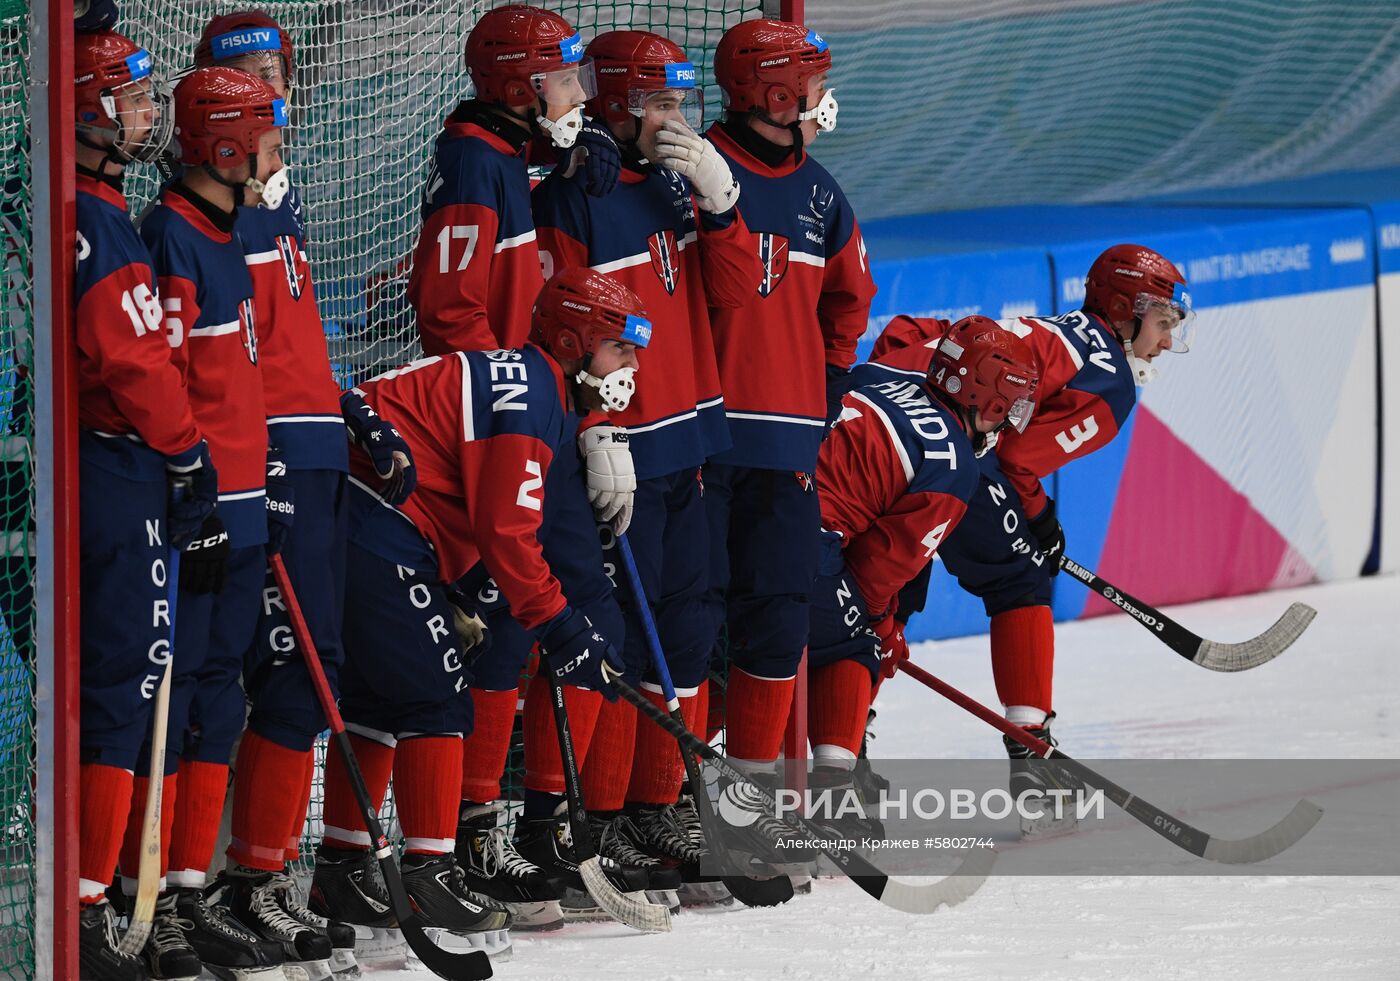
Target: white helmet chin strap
{"x":824,"y":113}
{"x":563,"y":132}
{"x":272,"y":190}
{"x":616,"y":388}
{"x":989,"y":443}
{"x":1143,"y":371}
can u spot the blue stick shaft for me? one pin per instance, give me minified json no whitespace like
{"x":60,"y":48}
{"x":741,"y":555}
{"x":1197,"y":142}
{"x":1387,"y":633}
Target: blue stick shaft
{"x":644,"y":614}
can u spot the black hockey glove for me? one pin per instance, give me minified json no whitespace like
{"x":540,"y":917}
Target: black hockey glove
{"x":281,"y":504}
{"x":194,"y":490}
{"x":595,"y":153}
{"x":204,"y":561}
{"x":577,"y":653}
{"x":388,"y":451}
{"x":1050,"y":536}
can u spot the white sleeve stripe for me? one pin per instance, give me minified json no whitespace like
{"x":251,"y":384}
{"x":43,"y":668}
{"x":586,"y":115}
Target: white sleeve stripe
{"x":894,"y":436}
{"x":468,"y":424}
{"x":763,"y":417}
{"x":1060,"y":336}
{"x":217,"y":330}
{"x":258,"y":258}
{"x":330,"y":420}
{"x":243,"y":495}
{"x":626,"y":262}
{"x":513,"y":241}
{"x":807,"y":258}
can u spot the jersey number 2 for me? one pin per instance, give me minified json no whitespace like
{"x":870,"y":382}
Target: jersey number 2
{"x":533,"y":482}
{"x":445,"y":238}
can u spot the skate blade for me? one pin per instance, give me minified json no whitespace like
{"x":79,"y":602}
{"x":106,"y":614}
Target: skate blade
{"x":537,"y":917}
{"x":276,"y":973}
{"x":496,"y":943}
{"x":665,"y":897}
{"x":314,"y":970}
{"x":705,"y":894}
{"x":380,"y":948}
{"x":801,"y":883}
{"x":1048,"y":827}
{"x":344,"y":967}
{"x":580,"y":907}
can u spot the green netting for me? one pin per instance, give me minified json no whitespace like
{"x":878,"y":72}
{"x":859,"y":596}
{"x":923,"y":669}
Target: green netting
{"x":17,"y":748}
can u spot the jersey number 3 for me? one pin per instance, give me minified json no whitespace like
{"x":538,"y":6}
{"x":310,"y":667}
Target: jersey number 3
{"x":1078,"y":434}
{"x":447,"y":236}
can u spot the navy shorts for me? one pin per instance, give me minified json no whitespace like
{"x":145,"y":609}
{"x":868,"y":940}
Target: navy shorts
{"x":840,"y":616}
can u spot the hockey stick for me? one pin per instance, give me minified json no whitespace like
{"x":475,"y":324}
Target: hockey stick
{"x":772,"y":891}
{"x":1256,"y":848}
{"x":1207,"y":653}
{"x":148,"y":877}
{"x":906,"y":897}
{"x":638,"y":914}
{"x":471,"y":965}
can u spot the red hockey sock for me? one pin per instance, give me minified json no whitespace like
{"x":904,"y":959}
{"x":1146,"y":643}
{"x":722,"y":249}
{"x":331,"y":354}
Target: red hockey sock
{"x":609,"y":763}
{"x":199,"y":810}
{"x":838,"y":698}
{"x":267,"y":797}
{"x":484,"y":751}
{"x":713,"y":712}
{"x":131,"y":844}
{"x":1023,"y":656}
{"x":757,"y":710}
{"x":104,"y":801}
{"x":544,"y":770}
{"x":427,"y":790}
{"x":345,"y":825}
{"x":293,"y":851}
{"x":657,"y":767}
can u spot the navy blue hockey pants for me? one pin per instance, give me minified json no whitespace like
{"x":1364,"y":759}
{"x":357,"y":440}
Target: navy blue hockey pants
{"x":841,"y":622}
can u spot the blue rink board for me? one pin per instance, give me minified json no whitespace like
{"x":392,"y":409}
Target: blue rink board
{"x":949,"y":262}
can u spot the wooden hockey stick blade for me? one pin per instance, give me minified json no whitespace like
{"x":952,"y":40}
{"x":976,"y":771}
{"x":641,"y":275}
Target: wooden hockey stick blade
{"x":907,"y":897}
{"x":1266,"y":844}
{"x":1251,"y":653}
{"x":638,"y":914}
{"x":148,"y":876}
{"x":472,"y":965}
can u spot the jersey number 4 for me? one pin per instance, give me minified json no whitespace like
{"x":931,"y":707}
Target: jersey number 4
{"x":447,"y":236}
{"x":143,"y":307}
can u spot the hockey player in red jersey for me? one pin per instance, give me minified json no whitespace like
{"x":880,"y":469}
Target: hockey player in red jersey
{"x":676,"y":238}
{"x":138,"y":441}
{"x":228,"y":125}
{"x":1136,"y":306}
{"x":476,"y":266}
{"x":273,"y":771}
{"x":485,"y":428}
{"x":895,"y":477}
{"x":812,"y":302}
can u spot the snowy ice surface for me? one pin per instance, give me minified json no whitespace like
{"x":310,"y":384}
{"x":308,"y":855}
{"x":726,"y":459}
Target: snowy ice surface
{"x":1119,"y":693}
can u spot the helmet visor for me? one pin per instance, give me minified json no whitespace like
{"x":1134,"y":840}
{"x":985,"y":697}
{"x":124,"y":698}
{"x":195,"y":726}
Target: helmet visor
{"x":657,"y":107}
{"x":1175,"y":315}
{"x":572,"y":85}
{"x":1018,"y":417}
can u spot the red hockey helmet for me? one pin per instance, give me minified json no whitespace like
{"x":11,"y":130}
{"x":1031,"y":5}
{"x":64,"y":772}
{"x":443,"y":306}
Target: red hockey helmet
{"x":515,"y":52}
{"x":108,"y":71}
{"x":981,"y":365}
{"x":1125,"y":280}
{"x":220,"y":115}
{"x":764,"y":66}
{"x":631,"y":66}
{"x":580,"y":308}
{"x":230,"y":36}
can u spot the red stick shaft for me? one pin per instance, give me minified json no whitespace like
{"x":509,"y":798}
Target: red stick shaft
{"x":1038,"y":746}
{"x":303,"y":637}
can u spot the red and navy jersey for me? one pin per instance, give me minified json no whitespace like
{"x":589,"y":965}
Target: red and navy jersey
{"x":811,"y":306}
{"x":1086,"y":393}
{"x":476,"y":269}
{"x":303,"y":399}
{"x":894,"y":478}
{"x":645,"y":234}
{"x":127,"y":384}
{"x":483,"y":427}
{"x":207,"y":295}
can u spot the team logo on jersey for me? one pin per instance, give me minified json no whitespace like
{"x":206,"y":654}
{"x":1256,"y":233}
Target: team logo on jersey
{"x":287,"y":249}
{"x":665,"y":258}
{"x":773,"y":253}
{"x":822,"y":198}
{"x":248,"y":329}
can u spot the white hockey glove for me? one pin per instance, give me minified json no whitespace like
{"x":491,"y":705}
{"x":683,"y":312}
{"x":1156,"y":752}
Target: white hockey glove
{"x":696,"y":159}
{"x":607,"y":464}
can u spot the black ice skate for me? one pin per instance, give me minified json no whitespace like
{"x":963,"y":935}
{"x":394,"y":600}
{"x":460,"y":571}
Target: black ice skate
{"x":548,"y":843}
{"x":774,"y":844}
{"x":615,"y":836}
{"x":341,"y":935}
{"x":168,"y":955}
{"x":250,"y":898}
{"x":666,"y":836}
{"x":346,"y":889}
{"x":99,"y":954}
{"x":1037,"y":779}
{"x":227,"y":949}
{"x":451,"y":914}
{"x":494,"y":868}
